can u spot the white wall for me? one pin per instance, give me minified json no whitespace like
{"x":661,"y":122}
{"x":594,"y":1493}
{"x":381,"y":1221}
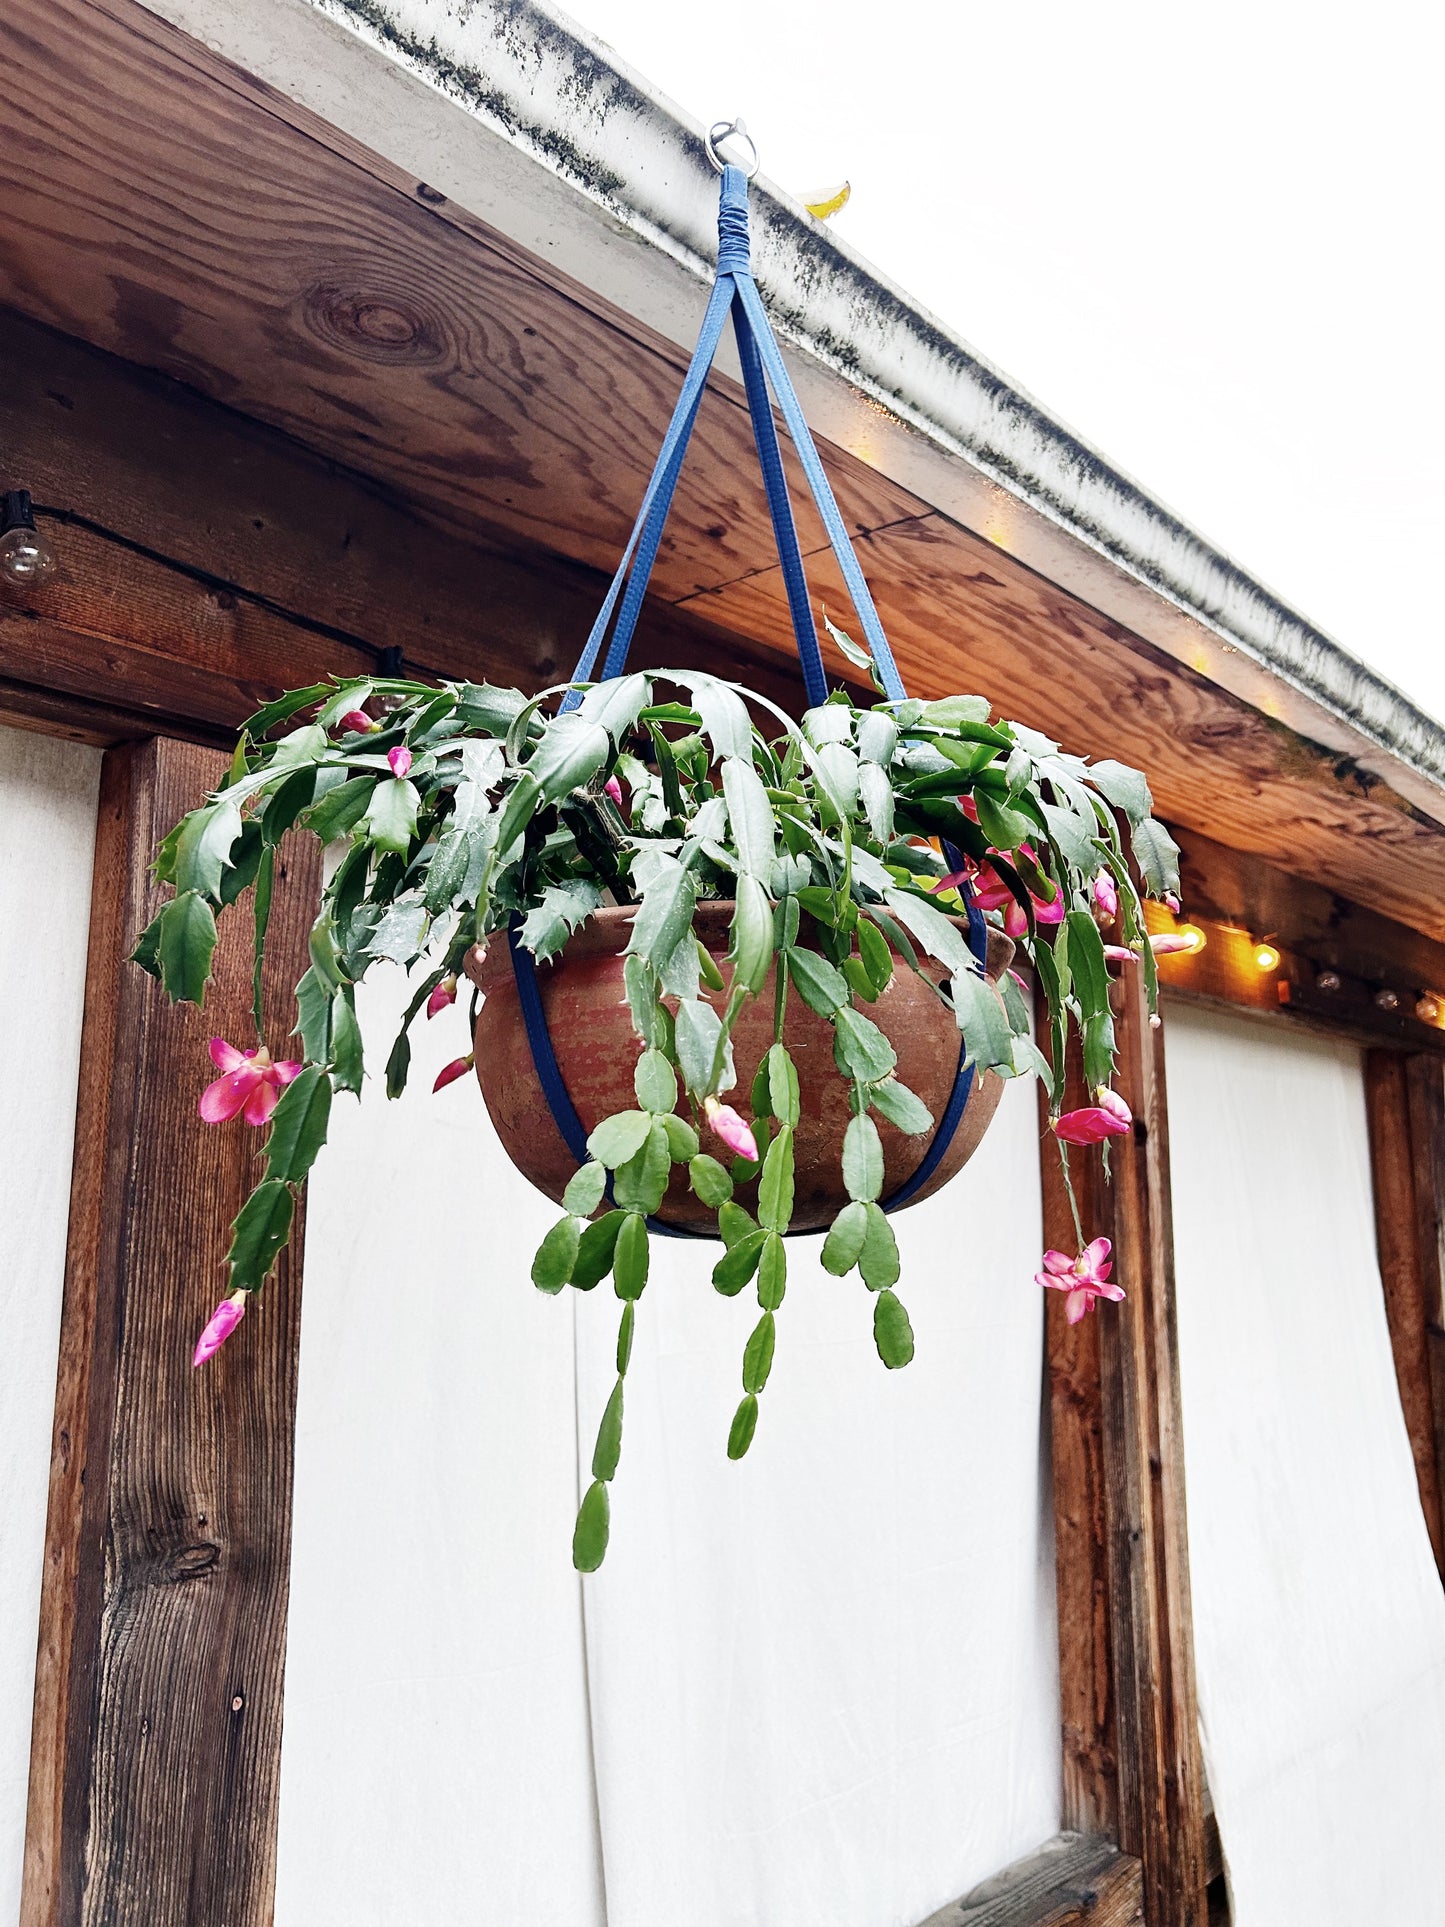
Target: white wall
{"x":47,"y":843}
{"x":820,"y":1686}
{"x":1319,"y":1618}
{"x":435,"y":1761}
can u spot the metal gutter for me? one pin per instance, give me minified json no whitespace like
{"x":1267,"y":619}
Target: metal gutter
{"x":509,"y":109}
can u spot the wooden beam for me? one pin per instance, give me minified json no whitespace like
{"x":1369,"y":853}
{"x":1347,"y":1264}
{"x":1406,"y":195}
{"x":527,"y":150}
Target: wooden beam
{"x":1403,"y":1100}
{"x":269,"y":263}
{"x":208,"y":562}
{"x":1135,"y":1694}
{"x":1071,"y":1881}
{"x":157,"y":1725}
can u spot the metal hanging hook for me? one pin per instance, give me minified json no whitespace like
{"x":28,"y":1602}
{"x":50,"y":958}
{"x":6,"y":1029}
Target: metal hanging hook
{"x":722,"y":130}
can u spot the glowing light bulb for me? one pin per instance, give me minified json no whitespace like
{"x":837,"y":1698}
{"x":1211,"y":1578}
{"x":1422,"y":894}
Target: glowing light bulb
{"x":27,"y":557}
{"x":1196,"y":936}
{"x":1266,"y":957}
{"x":1429,"y":1009}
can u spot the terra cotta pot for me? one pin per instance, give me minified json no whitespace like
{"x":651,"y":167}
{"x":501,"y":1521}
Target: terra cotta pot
{"x":596,"y":1047}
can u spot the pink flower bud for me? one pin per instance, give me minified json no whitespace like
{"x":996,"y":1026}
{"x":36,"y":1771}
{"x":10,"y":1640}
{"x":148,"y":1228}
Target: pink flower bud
{"x":1109,"y":1117}
{"x":449,"y":1074}
{"x":1116,"y":953}
{"x":613,"y":789}
{"x":400,"y":759}
{"x":223,"y":1321}
{"x":1174,"y":943}
{"x":1105,"y":898}
{"x":1111,"y":1102}
{"x":1171,"y":902}
{"x":735,"y":1134}
{"x":357,"y":720}
{"x":444,"y":994}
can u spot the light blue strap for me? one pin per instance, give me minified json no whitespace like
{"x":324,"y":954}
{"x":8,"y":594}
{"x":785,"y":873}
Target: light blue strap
{"x":862,"y":599}
{"x":673,"y":450}
{"x":660,"y":486}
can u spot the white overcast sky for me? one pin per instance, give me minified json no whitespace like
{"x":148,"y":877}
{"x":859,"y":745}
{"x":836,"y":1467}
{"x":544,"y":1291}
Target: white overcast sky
{"x":1208,"y":238}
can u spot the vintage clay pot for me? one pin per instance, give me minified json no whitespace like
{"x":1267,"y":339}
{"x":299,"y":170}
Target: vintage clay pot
{"x":592,"y":1035}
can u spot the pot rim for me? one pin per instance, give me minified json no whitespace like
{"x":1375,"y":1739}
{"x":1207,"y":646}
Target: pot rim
{"x":489,"y":964}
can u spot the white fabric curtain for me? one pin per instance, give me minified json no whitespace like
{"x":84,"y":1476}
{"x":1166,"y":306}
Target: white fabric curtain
{"x":435,"y":1763}
{"x":825,"y":1680}
{"x":47,"y":805}
{"x":1318,"y":1613}
{"x":819,"y":1686}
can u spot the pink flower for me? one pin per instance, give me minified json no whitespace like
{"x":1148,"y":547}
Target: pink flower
{"x":1116,"y":953}
{"x":449,"y":1074}
{"x":444,"y":994}
{"x":1171,"y":902}
{"x":251,"y":1084}
{"x":357,"y":719}
{"x":1108,"y":1116}
{"x":613,"y":789}
{"x":400,"y":759}
{"x":1105,"y":897}
{"x":223,"y":1321}
{"x":1084,"y":1278}
{"x":735,"y":1134}
{"x":992,"y":893}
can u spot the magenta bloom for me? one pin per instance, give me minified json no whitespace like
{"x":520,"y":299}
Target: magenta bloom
{"x":251,"y":1084}
{"x":1108,"y":1116}
{"x":1105,"y":897}
{"x":992,"y":893}
{"x":449,"y":1073}
{"x":613,"y":789}
{"x":223,"y":1321}
{"x":1171,"y":902}
{"x":358,"y":720}
{"x":735,"y":1134}
{"x":1174,"y":943}
{"x":444,"y":994}
{"x":400,"y":759}
{"x":1084,"y":1278}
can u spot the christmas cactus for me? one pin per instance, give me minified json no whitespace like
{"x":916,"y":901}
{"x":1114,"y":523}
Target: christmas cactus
{"x":460,"y":812}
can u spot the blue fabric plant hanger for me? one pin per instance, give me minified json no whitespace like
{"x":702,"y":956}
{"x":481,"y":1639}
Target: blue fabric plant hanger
{"x":735,"y":293}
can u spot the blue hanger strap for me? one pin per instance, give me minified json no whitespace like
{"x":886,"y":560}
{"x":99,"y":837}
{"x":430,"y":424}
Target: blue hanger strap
{"x":963,"y":1079}
{"x":822,"y":489}
{"x":675,"y":447}
{"x":549,"y":1071}
{"x":663,"y":479}
{"x":785,"y":533}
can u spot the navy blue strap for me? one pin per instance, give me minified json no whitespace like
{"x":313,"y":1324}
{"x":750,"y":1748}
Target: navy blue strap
{"x":963,"y":1080}
{"x":735,"y":290}
{"x":785,"y":533}
{"x":549,"y":1071}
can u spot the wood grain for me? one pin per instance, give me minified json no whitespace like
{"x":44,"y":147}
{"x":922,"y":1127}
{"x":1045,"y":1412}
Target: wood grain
{"x":1139,"y":1692}
{"x":167,"y":207}
{"x":1071,"y":1880}
{"x":1407,"y":1240}
{"x":1090,"y":1803}
{"x":163,"y":1617}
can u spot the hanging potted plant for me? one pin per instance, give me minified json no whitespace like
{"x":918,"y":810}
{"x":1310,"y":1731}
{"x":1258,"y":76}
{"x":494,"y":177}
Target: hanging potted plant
{"x":732,"y":974}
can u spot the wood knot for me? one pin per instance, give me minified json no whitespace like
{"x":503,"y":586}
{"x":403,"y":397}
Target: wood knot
{"x":187,"y":1562}
{"x":376,"y":325}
